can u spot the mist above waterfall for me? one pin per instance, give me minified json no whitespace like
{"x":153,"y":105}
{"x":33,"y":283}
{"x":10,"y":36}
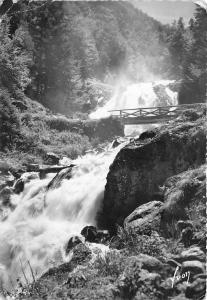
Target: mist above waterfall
{"x":43,"y":221}
{"x":134,"y":95}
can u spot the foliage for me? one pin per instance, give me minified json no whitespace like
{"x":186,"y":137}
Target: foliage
{"x":193,"y":88}
{"x":9,"y":122}
{"x":109,"y":264}
{"x":136,"y":243}
{"x":14,"y":58}
{"x":75,"y":42}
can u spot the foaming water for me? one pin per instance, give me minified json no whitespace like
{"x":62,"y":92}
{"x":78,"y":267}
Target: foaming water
{"x":37,"y":231}
{"x":138,"y":95}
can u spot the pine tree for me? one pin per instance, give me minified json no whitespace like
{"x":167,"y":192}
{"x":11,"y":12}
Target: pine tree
{"x":193,"y":88}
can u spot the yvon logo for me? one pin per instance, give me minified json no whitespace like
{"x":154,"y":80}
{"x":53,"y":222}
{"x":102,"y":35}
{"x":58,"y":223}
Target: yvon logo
{"x":178,"y":276}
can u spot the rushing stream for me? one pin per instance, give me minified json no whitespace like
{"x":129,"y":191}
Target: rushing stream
{"x":37,"y":230}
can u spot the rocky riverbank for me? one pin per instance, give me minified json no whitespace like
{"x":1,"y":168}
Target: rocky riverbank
{"x":155,"y":209}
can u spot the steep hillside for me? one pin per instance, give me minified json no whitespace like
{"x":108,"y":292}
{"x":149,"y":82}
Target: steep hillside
{"x":73,"y":42}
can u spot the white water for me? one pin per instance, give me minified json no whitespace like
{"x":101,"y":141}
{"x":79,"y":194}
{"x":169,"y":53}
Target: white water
{"x":134,"y":96}
{"x":39,"y":234}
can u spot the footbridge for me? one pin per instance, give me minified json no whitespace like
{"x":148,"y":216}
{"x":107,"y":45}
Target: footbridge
{"x":151,"y":115}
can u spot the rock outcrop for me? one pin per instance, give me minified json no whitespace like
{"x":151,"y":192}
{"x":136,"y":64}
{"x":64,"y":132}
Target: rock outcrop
{"x":142,"y":167}
{"x":145,"y":218}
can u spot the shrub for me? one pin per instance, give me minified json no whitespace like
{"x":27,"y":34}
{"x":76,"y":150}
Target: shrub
{"x":135,"y":244}
{"x":110,"y":264}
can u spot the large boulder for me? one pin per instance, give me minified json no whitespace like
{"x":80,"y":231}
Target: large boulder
{"x":145,"y":218}
{"x":141,"y":168}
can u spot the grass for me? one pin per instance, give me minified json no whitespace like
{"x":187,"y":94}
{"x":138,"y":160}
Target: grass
{"x":135,"y":243}
{"x":110,"y":264}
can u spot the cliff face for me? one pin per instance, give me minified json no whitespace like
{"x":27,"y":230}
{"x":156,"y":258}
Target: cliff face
{"x":141,"y":167}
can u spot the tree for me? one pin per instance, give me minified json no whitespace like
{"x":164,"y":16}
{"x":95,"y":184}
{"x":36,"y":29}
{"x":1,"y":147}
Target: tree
{"x":193,"y":88}
{"x":14,"y":59}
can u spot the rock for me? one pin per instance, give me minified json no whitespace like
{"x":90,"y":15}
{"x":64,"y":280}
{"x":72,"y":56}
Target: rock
{"x":194,"y":266}
{"x":102,"y":236}
{"x":149,"y":263}
{"x":134,"y":277}
{"x":28,"y":176}
{"x":149,"y":134}
{"x":193,"y":253}
{"x":32,"y":167}
{"x":81,"y":255}
{"x":179,"y":297}
{"x":89,"y":233}
{"x":52,"y":158}
{"x":186,"y":236}
{"x":5,"y":195}
{"x":199,"y":238}
{"x":181,"y":191}
{"x":73,"y":241}
{"x":6,"y":179}
{"x":184,"y":224}
{"x":197,"y":290}
{"x":145,"y":218}
{"x":20,"y":105}
{"x":19,"y":186}
{"x":63,"y":173}
{"x":65,"y":161}
{"x":115,"y":143}
{"x":139,"y":169}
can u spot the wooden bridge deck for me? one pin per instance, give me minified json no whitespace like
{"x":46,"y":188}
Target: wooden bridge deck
{"x":147,"y":115}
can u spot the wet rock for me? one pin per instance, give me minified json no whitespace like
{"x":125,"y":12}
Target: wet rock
{"x":145,"y":218}
{"x":63,"y":173}
{"x":197,"y":290}
{"x":73,"y":241}
{"x":194,"y":266}
{"x":19,"y":186}
{"x":52,"y":158}
{"x":6,"y":179}
{"x":149,"y":134}
{"x":89,"y":233}
{"x":28,"y":176}
{"x":32,"y":167}
{"x":115,"y":143}
{"x":5,"y":195}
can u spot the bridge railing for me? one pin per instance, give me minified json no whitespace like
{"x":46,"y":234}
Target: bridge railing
{"x":159,"y":111}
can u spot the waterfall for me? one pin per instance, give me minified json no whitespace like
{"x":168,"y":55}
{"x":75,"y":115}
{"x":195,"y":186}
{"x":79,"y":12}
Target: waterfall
{"x":37,"y":231}
{"x":144,"y":94}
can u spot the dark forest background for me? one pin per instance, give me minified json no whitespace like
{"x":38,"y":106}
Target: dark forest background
{"x":51,"y":53}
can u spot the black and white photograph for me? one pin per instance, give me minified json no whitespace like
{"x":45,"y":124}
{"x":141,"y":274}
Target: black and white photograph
{"x":103,"y":149}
